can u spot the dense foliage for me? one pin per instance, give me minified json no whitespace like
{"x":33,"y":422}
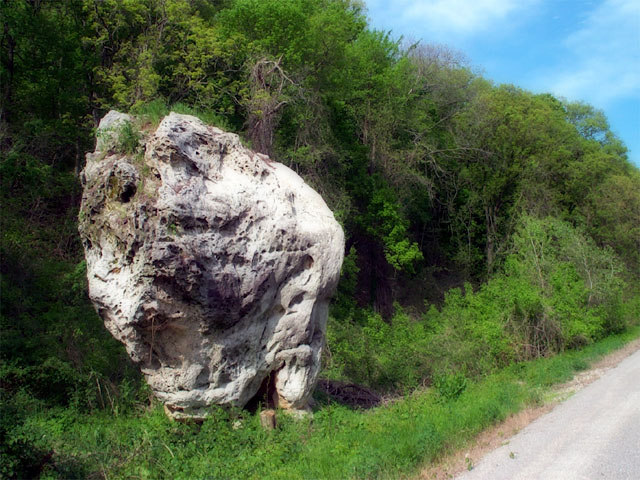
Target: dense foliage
{"x":485,"y":225}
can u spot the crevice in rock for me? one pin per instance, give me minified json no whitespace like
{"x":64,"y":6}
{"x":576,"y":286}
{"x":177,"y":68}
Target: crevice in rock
{"x":266,"y":396}
{"x":296,"y":300}
{"x":127,"y":193}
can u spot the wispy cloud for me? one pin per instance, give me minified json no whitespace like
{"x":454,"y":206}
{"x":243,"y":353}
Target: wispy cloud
{"x":603,"y":56}
{"x":449,"y":18}
{"x":462,"y":17}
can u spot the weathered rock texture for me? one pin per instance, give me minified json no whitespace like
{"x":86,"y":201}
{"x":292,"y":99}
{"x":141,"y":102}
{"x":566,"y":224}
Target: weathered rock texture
{"x":213,"y":265}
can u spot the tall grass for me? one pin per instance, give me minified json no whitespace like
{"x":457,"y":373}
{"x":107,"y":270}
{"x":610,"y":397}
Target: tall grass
{"x":154,"y":111}
{"x":338,"y":442}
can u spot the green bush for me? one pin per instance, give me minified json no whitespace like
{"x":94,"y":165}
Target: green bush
{"x":557,"y":290}
{"x":386,"y":356}
{"x":393,"y":440}
{"x":21,"y":452}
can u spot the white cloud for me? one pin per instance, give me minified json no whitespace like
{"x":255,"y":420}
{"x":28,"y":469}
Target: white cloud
{"x":462,"y":16}
{"x":445,"y":19}
{"x":603,"y":56}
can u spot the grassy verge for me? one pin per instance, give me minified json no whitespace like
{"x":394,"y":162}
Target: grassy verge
{"x":388,"y":442}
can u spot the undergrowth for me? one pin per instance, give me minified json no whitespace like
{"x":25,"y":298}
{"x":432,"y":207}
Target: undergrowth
{"x":539,"y":305}
{"x":338,"y":442}
{"x":73,"y":406}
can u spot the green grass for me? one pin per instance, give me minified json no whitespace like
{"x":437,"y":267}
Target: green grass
{"x":386,"y":442}
{"x":155,"y":110}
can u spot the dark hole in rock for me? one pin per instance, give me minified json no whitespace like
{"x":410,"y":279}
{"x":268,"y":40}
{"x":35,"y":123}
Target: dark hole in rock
{"x":128,"y":192}
{"x":296,"y":300}
{"x":266,"y":396}
{"x":203,"y":379}
{"x":308,"y":262}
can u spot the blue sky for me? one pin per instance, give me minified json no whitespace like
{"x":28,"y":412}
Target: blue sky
{"x":576,"y":49}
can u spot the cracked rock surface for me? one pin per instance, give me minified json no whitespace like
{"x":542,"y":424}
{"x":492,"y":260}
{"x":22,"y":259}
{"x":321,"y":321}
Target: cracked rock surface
{"x":213,"y":265}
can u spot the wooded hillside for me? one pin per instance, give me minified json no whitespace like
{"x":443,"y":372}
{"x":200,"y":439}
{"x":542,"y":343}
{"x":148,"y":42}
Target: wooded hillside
{"x":486,"y":225}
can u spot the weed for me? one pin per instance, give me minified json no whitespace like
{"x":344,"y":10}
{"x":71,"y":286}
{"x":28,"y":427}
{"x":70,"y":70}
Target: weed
{"x":451,"y":385}
{"x":128,"y":138}
{"x":207,"y":116}
{"x":123,"y":137}
{"x":388,"y":441}
{"x":469,"y":462}
{"x":154,"y":111}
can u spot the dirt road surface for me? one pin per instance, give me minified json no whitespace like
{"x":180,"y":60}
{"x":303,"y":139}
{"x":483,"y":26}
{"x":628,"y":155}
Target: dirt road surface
{"x":593,"y":435}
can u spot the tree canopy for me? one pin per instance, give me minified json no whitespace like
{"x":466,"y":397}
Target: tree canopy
{"x":441,"y":179}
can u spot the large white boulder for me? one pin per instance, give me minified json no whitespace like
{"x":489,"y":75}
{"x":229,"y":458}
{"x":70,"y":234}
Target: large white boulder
{"x":213,"y":265}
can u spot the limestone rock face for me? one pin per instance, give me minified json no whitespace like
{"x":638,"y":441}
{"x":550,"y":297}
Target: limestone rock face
{"x":213,"y":265}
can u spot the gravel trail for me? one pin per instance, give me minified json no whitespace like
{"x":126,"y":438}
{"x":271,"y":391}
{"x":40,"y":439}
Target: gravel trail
{"x":595,"y":434}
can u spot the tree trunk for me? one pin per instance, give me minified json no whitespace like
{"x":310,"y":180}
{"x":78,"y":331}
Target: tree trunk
{"x":268,"y":81}
{"x":491,"y":234}
{"x":375,"y":277}
{"x":10,"y":66}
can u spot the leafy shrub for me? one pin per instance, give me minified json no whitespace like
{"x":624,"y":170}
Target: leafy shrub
{"x":386,"y":356}
{"x":344,"y":304}
{"x":557,"y":290}
{"x":385,"y":219}
{"x":21,"y":453}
